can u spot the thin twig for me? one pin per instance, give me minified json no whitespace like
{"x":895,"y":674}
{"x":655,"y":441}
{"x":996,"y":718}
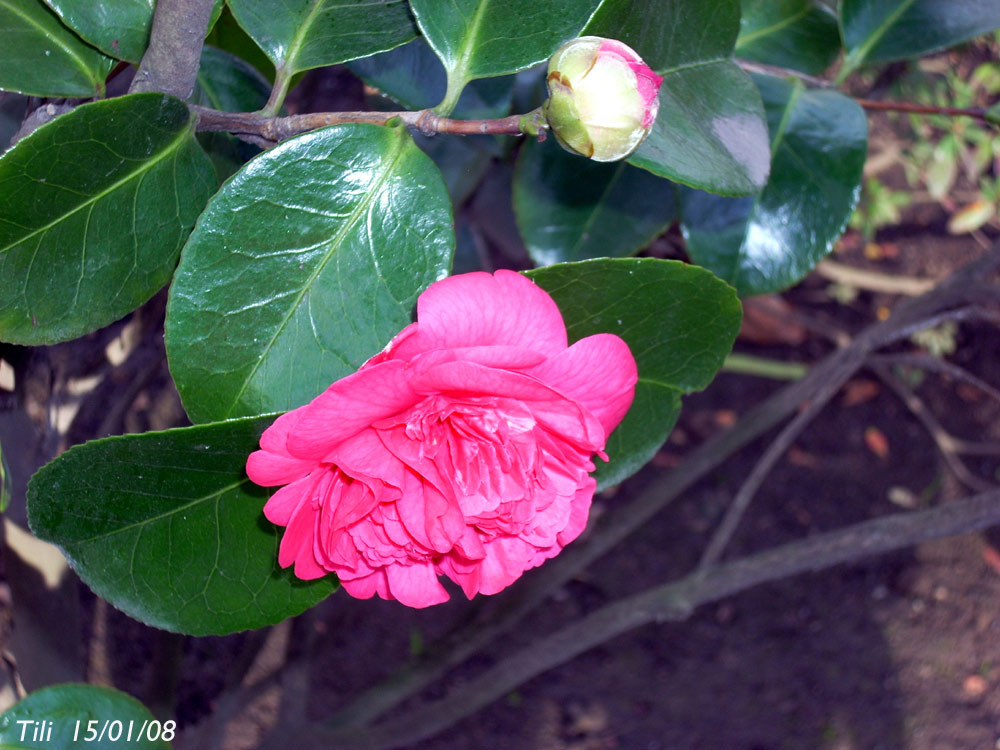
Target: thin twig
{"x":936,"y":364}
{"x":923,"y":109}
{"x":944,"y":441}
{"x":872,"y":280}
{"x":672,"y":601}
{"x":276,"y":129}
{"x":741,"y":501}
{"x":775,"y":70}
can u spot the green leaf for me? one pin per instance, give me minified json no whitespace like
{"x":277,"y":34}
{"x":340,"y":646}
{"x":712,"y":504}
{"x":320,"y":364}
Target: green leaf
{"x":770,"y":241}
{"x":413,"y":76}
{"x":885,"y":30}
{"x":570,"y":208}
{"x":484,"y":38}
{"x":62,"y":714}
{"x":119,"y":28}
{"x":304,"y":265}
{"x":168,"y":528}
{"x":229,"y":84}
{"x":299,"y":35}
{"x":95,"y":207}
{"x":674,"y":35}
{"x":710,"y":131}
{"x":41,"y":57}
{"x":797,"y":34}
{"x":680,"y":321}
{"x":228,"y":35}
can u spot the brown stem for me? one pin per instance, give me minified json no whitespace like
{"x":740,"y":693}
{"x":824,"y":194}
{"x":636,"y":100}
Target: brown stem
{"x":171,"y":61}
{"x":275,"y":129}
{"x":922,"y":109}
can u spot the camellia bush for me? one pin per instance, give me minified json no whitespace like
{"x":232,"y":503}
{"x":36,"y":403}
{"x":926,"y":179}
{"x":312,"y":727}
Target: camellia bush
{"x":374,"y":409}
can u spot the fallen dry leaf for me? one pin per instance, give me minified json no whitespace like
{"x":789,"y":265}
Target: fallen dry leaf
{"x":877,"y":442}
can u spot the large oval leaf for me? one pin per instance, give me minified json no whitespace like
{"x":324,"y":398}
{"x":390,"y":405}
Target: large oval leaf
{"x":70,"y":711}
{"x":119,"y":28}
{"x":772,"y":240}
{"x":569,"y":208}
{"x":680,"y":321}
{"x":299,"y":35}
{"x":710,"y":132}
{"x":168,"y":528}
{"x":94,"y":208}
{"x":303,"y":266}
{"x":885,"y":30}
{"x":41,"y":57}
{"x":484,"y":38}
{"x":797,"y":34}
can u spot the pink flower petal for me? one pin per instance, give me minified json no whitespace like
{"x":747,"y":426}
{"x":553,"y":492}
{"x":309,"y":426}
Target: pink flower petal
{"x":597,"y":372}
{"x":480,"y":309}
{"x":368,"y":586}
{"x":415,"y":585}
{"x":348,"y":406}
{"x":270,"y":469}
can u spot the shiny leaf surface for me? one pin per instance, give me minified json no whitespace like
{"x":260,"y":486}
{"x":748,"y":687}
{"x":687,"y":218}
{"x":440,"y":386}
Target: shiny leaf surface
{"x":304,"y":265}
{"x":96,"y":205}
{"x":770,"y":241}
{"x":673,"y":35}
{"x":168,"y":528}
{"x":298,"y":35}
{"x":884,"y":30}
{"x":41,"y":57}
{"x":69,"y":709}
{"x":119,"y":28}
{"x":679,"y":321}
{"x":483,"y":38}
{"x":797,"y":34}
{"x":710,"y":132}
{"x":569,"y":208}
{"x":715,"y":142}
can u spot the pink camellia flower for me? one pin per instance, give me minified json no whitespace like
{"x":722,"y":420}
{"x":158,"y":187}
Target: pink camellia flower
{"x":603,"y":98}
{"x":463,"y":449}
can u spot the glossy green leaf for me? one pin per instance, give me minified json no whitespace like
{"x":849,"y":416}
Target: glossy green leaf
{"x":484,"y":38}
{"x":680,"y":321}
{"x":298,"y":35}
{"x":797,"y":34}
{"x":463,"y":162}
{"x":229,"y":84}
{"x":119,"y":28}
{"x":168,"y":528}
{"x":570,"y":208}
{"x":710,"y":131}
{"x":229,"y":36}
{"x":41,"y":57}
{"x":715,"y":141}
{"x":885,"y":30}
{"x":413,"y":76}
{"x":770,"y":241}
{"x":95,"y":208}
{"x":69,"y":711}
{"x":304,"y":265}
{"x":673,"y":35}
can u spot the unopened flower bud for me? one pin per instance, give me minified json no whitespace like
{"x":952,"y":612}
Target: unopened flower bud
{"x":602,"y":98}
